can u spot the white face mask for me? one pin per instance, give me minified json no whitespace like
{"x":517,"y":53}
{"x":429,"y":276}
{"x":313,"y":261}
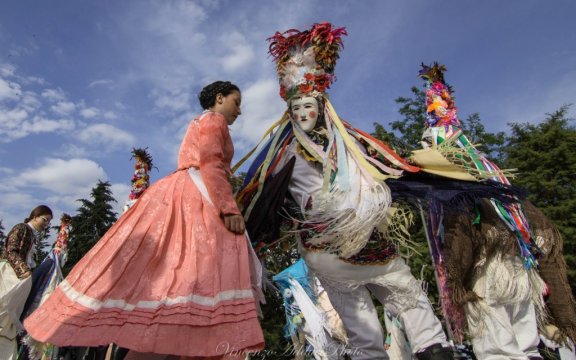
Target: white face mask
{"x":304,"y":112}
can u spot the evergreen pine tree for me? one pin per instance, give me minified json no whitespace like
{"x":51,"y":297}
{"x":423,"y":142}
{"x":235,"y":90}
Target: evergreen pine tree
{"x":43,"y":247}
{"x":413,"y":123}
{"x":488,"y":143}
{"x":545,"y":158}
{"x":93,"y":219}
{"x":2,"y":237}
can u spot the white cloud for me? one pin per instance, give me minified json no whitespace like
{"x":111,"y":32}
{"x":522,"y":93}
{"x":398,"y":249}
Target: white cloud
{"x":7,"y":70}
{"x":100,"y":82}
{"x":119,"y":105}
{"x":16,"y":124}
{"x":261,"y":107}
{"x":30,"y":101}
{"x":9,"y":90}
{"x":56,"y":182}
{"x":16,"y":199}
{"x":11,"y":119}
{"x":54,"y":95}
{"x":74,"y":176}
{"x":107,"y":135}
{"x":15,"y":207}
{"x":63,"y":108}
{"x":170,"y":100}
{"x":34,"y":80}
{"x":110,"y":115}
{"x":174,"y":18}
{"x":6,"y":171}
{"x":175,"y":29}
{"x":40,"y":124}
{"x":68,"y":201}
{"x":89,"y":113}
{"x":120,"y":192}
{"x":240,"y":52}
{"x":72,"y":151}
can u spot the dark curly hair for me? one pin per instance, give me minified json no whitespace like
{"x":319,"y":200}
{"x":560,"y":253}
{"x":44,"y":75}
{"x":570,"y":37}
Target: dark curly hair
{"x":208,"y":94}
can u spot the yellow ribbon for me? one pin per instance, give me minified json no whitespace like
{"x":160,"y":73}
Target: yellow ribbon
{"x":373,"y":171}
{"x":269,"y":131}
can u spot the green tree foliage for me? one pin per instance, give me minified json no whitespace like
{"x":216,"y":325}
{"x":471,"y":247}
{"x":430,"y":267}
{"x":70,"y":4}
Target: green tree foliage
{"x":93,"y":219}
{"x":489,"y":143}
{"x":418,"y":255}
{"x":390,"y":139}
{"x":43,"y":246}
{"x":276,"y":259}
{"x":545,"y":158}
{"x":412,"y":125}
{"x":2,"y":237}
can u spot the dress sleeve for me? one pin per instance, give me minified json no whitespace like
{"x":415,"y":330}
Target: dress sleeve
{"x":17,"y":245}
{"x":214,"y":164}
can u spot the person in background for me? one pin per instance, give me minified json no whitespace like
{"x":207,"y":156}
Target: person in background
{"x":16,"y":264}
{"x":485,"y":257}
{"x":45,"y":278}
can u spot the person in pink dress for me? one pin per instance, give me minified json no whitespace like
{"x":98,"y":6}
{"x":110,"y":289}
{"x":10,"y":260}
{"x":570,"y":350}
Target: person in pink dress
{"x":175,"y":274}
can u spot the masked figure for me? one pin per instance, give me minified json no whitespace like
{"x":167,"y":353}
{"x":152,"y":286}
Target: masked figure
{"x":331,"y":179}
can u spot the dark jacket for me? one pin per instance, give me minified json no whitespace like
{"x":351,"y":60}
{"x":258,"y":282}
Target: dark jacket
{"x":18,"y":243}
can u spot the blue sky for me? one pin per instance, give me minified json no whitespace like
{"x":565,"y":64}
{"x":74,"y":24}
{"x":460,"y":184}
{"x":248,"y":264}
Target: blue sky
{"x":83,"y":82}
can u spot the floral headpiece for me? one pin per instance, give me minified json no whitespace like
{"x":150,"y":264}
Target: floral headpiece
{"x":306,"y":59}
{"x":140,"y":179}
{"x":62,"y":239}
{"x":440,"y":108}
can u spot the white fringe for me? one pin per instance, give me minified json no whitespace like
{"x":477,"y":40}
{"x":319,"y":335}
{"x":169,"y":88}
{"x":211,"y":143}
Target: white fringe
{"x":315,"y":320}
{"x":349,"y":217}
{"x":502,"y":281}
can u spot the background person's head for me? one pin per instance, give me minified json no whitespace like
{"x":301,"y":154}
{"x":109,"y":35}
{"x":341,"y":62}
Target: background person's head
{"x":222,"y":97}
{"x":40,"y":217}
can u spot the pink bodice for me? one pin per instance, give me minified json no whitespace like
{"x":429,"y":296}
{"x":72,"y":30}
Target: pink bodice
{"x":208,"y":146}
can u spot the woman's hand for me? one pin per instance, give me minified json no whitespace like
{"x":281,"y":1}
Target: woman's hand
{"x":235,"y":223}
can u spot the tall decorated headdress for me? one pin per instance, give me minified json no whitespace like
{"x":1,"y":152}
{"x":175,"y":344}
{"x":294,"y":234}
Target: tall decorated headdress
{"x":445,"y":134}
{"x":440,"y":107}
{"x":305,"y":60}
{"x":141,"y":177}
{"x":62,"y":240}
{"x":449,"y":153}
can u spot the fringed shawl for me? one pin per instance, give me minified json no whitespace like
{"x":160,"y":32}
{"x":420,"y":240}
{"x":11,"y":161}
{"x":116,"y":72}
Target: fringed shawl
{"x":354,"y":197}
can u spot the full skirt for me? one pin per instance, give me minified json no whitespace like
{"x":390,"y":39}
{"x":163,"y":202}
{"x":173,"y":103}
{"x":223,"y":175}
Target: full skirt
{"x":167,"y":278}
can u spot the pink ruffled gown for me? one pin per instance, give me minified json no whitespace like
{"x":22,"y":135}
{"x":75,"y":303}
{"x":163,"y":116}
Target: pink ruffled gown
{"x":168,"y":277}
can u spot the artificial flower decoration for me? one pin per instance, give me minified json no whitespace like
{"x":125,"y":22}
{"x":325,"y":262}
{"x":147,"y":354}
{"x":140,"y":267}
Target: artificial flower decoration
{"x":62,"y":239}
{"x":140,"y":179}
{"x":306,"y":59}
{"x":440,"y":108}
